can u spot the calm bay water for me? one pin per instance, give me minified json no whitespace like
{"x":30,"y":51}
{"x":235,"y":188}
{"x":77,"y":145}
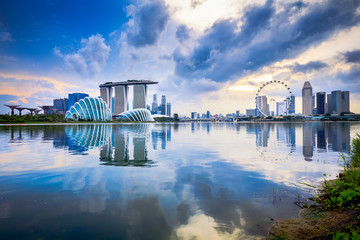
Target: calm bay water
{"x":161,"y":181}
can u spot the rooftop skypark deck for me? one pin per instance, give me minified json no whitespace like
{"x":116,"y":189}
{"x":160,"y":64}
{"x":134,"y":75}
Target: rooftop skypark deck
{"x":127,"y":83}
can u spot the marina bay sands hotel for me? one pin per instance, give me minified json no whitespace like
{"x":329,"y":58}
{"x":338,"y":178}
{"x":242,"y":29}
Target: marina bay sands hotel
{"x":121,"y":90}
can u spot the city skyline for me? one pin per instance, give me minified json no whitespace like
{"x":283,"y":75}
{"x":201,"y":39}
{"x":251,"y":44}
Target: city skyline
{"x":202,"y":61}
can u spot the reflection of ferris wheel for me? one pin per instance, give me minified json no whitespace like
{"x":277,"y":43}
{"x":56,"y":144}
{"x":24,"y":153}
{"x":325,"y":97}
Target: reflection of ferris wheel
{"x":287,"y":100}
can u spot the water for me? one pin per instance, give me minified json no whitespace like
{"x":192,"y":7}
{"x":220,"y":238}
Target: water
{"x":161,"y":181}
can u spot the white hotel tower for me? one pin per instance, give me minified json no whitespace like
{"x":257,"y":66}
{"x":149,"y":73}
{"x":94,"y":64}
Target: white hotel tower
{"x":121,"y":91}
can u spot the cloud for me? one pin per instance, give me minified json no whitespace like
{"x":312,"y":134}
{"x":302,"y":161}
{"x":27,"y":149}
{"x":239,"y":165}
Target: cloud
{"x":195,"y":3}
{"x":352,"y":56}
{"x":182,"y":33}
{"x":351,"y":76}
{"x":90,"y":58}
{"x":8,"y":98}
{"x":231,"y":48}
{"x":308,"y":67}
{"x":5,"y":36}
{"x":147,"y":23}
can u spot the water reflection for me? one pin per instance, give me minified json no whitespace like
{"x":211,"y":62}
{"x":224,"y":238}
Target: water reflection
{"x":210,"y":181}
{"x":325,"y":137}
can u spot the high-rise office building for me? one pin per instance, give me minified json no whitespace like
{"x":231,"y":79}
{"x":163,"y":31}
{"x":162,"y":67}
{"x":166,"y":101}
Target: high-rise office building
{"x":336,"y":102}
{"x":74,"y":98}
{"x":307,"y":104}
{"x":261,"y":103}
{"x":154,"y":105}
{"x":237,"y":113}
{"x":345,"y":101}
{"x":281,"y":108}
{"x":291,"y":108}
{"x":208,"y":114}
{"x":320,"y":103}
{"x":193,"y":115}
{"x":163,"y":105}
{"x":340,"y":102}
{"x":168,"y":109}
{"x":328,"y":104}
{"x":61,"y":105}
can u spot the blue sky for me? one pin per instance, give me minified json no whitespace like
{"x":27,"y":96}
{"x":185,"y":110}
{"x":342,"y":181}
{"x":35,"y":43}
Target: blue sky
{"x":205,"y":54}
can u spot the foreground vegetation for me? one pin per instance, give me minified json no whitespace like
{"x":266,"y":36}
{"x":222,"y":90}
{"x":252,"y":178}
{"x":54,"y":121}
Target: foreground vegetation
{"x":335,"y":212}
{"x":52,"y":118}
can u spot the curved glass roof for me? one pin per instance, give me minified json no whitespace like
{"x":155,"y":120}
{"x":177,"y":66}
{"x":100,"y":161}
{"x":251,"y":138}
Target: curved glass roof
{"x":89,"y":108}
{"x":137,"y":115}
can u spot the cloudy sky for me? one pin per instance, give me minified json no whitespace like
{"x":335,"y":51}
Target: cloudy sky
{"x":205,"y":54}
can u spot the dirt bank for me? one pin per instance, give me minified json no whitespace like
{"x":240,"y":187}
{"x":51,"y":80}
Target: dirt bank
{"x":314,"y":223}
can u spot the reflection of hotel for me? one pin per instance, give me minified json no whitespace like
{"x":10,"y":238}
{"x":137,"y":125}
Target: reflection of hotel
{"x":308,"y":141}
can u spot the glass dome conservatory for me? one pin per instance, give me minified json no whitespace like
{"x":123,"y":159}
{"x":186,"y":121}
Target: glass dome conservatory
{"x":136,"y":115}
{"x":89,"y":108}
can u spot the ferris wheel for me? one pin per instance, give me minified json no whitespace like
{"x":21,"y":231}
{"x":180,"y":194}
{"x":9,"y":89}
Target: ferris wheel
{"x":282,"y":84}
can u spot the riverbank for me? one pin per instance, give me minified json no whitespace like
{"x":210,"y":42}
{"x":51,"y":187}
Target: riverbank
{"x":318,"y":223}
{"x":334,"y":213}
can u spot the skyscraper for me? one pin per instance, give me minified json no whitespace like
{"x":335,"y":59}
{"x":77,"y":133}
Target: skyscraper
{"x":61,"y":105}
{"x":292,"y":105}
{"x":163,"y":105}
{"x":320,"y":103}
{"x":307,"y":104}
{"x":168,"y":109}
{"x":328,"y":104}
{"x":345,"y":101}
{"x":208,"y":114}
{"x":281,"y":108}
{"x":336,"y":102}
{"x":74,"y":98}
{"x":261,"y":103}
{"x":193,"y":115}
{"x":154,"y":105}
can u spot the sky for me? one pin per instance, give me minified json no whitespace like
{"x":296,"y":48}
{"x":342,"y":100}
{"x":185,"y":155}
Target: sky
{"x":206,"y":54}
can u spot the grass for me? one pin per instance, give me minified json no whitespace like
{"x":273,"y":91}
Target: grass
{"x":344,"y":194}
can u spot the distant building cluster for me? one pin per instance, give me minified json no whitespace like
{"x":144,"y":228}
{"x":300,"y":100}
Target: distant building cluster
{"x":282,"y":108}
{"x":336,"y":102}
{"x":164,"y":108}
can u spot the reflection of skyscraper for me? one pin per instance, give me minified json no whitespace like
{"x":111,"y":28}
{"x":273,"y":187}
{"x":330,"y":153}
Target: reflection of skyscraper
{"x":307,"y":99}
{"x":262,"y":135}
{"x":168,"y":133}
{"x":292,"y":137}
{"x":121,"y":144}
{"x":154,"y":137}
{"x":320,"y":137}
{"x":308,"y":141}
{"x":140,"y":151}
{"x":339,"y":137}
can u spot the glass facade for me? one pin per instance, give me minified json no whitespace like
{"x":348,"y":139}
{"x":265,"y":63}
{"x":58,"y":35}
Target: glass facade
{"x":89,"y":109}
{"x":137,"y":115}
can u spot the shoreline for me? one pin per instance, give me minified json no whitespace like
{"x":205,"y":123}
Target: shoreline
{"x":90,"y":122}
